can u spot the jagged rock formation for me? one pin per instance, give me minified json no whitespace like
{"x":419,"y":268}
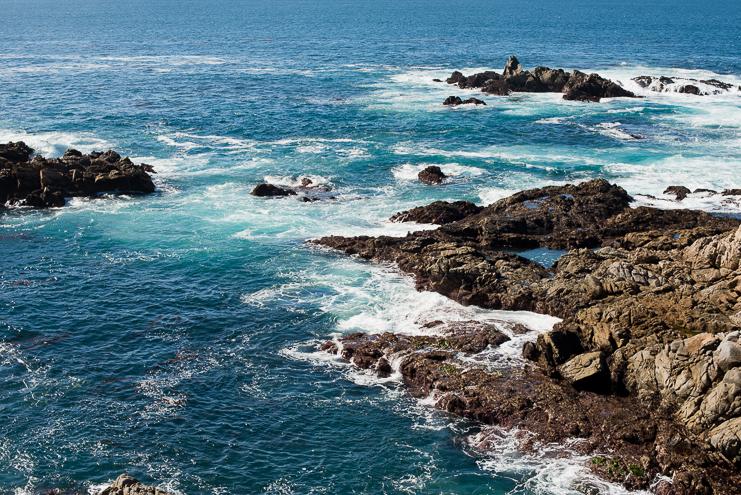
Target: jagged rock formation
{"x":650,"y":329}
{"x":126,"y":485}
{"x":45,"y":183}
{"x":576,"y":86}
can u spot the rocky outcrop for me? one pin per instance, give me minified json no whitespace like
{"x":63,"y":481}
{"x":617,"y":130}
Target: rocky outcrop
{"x":126,"y":485}
{"x":432,"y":175}
{"x":267,"y":190}
{"x":439,"y":213}
{"x":680,"y":192}
{"x":312,"y":192}
{"x":43,"y":183}
{"x":576,"y":86}
{"x":651,"y":323}
{"x":664,"y":84}
{"x":592,"y":87}
{"x":456,"y":100}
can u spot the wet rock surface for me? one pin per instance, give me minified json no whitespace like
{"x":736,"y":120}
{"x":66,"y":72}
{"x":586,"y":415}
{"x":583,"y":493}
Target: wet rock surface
{"x":439,"y":212}
{"x":576,"y":86}
{"x":432,"y":175}
{"x":456,"y":100}
{"x":43,"y":183}
{"x":664,"y":84}
{"x":311,"y":192}
{"x":646,"y":362}
{"x":126,"y":485}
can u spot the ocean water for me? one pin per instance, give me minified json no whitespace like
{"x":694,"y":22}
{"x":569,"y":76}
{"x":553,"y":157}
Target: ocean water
{"x":174,"y":336}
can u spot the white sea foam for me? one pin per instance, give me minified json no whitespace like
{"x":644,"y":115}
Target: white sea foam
{"x":554,"y":468}
{"x":54,"y":144}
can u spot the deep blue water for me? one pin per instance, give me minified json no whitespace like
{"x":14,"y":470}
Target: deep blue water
{"x":173,"y":336}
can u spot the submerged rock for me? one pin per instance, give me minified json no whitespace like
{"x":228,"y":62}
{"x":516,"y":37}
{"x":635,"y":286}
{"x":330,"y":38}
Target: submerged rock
{"x":126,"y":485}
{"x":432,"y":175}
{"x":43,"y":183}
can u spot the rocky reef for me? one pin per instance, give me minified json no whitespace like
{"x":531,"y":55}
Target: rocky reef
{"x":126,"y":485}
{"x":576,"y":86}
{"x":701,"y":87}
{"x":646,"y":361}
{"x":45,"y":183}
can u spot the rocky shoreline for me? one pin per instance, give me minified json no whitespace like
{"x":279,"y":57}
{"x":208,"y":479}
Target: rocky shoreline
{"x":644,"y":365}
{"x":45,"y":183}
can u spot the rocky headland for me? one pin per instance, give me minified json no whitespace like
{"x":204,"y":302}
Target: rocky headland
{"x":645,"y":366}
{"x":575,"y":86}
{"x":45,"y":183}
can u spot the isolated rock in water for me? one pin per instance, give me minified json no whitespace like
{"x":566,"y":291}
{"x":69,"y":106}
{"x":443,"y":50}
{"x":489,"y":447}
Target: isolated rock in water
{"x":265,"y":190}
{"x":306,"y":182}
{"x":45,"y":183}
{"x":680,"y":192}
{"x":731,"y":192}
{"x":439,"y":212}
{"x":576,"y":86}
{"x":436,"y":80}
{"x":432,"y":175}
{"x":126,"y":485}
{"x":456,"y":100}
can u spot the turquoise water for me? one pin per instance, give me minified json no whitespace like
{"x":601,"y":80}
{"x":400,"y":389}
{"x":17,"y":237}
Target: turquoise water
{"x":174,"y":336}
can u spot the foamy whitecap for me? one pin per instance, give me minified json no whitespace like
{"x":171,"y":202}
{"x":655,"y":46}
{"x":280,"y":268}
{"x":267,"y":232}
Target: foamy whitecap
{"x":54,"y":144}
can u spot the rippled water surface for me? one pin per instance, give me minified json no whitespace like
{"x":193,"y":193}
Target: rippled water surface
{"x":174,"y":336}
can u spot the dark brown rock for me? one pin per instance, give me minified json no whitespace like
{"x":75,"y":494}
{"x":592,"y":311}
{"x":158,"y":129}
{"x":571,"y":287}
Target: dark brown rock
{"x":439,"y":213}
{"x":43,"y":183}
{"x":432,"y":175}
{"x":267,"y":190}
{"x":592,"y":87}
{"x":456,"y":100}
{"x":680,"y":192}
{"x":576,"y":86}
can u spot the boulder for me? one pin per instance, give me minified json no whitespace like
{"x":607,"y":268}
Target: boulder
{"x":587,"y":372}
{"x":680,"y":192}
{"x":432,"y":175}
{"x":267,"y":190}
{"x":126,"y":485}
{"x":456,"y":100}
